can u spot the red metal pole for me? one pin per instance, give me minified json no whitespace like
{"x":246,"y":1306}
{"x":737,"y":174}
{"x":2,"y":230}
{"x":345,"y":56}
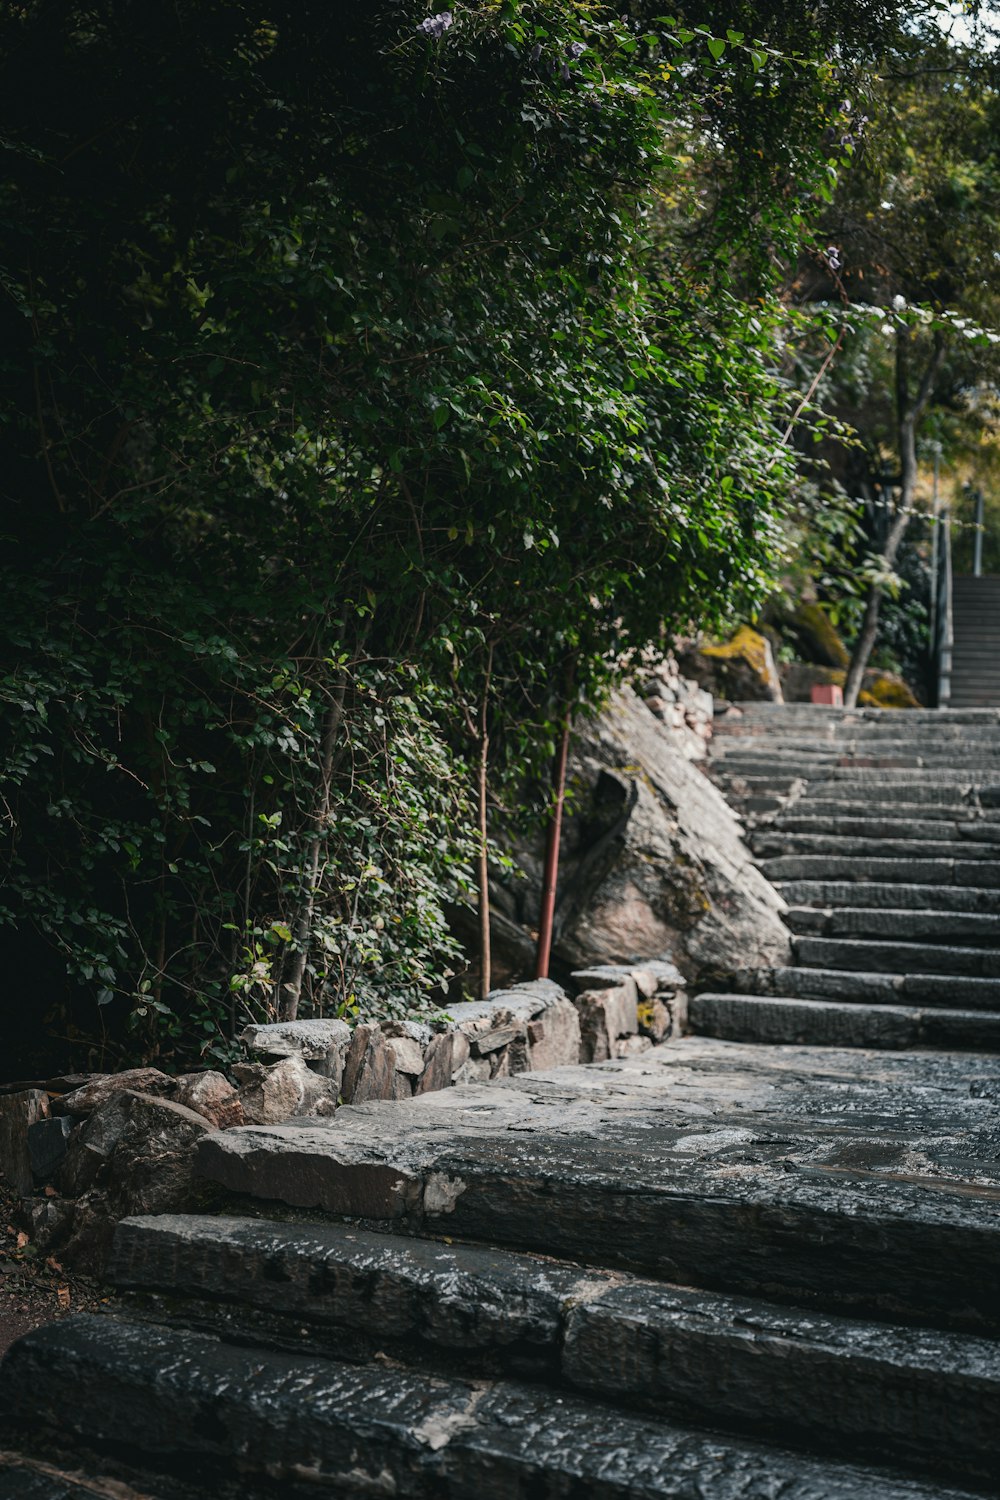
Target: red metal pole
{"x":551,"y":874}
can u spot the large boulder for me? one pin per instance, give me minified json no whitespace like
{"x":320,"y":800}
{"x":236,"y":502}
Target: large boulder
{"x":653,"y":863}
{"x":132,"y":1156}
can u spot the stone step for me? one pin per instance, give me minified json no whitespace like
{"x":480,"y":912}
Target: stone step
{"x":764,"y":763}
{"x":896,"y":957}
{"x":22,"y":1478}
{"x":831,"y":1023}
{"x":936,"y":990}
{"x":748,"y":1169}
{"x":873,"y":894}
{"x":876,"y":826}
{"x":895,"y":784}
{"x":319,"y":1426}
{"x":966,"y":927}
{"x":768,"y":843}
{"x":958,"y":872}
{"x":636,"y":1343}
{"x":834,"y":810}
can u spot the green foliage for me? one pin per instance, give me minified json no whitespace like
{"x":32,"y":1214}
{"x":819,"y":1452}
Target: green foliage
{"x":344,"y":354}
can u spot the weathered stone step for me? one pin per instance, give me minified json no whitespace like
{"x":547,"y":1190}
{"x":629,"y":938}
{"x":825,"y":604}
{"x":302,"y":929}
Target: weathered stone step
{"x":747,"y":1169}
{"x":770,"y":843}
{"x":834,"y":810}
{"x":965,"y":927}
{"x":802,"y":819}
{"x":764,"y":762}
{"x":931,"y":1399}
{"x":310,"y":1426}
{"x":831,"y":1023}
{"x":22,"y":1478}
{"x":825,"y":716}
{"x":896,"y":871}
{"x":905,"y":896}
{"x":896,"y":957}
{"x":872,"y":988}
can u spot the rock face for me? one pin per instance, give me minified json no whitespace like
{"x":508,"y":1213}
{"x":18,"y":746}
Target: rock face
{"x":653,"y":863}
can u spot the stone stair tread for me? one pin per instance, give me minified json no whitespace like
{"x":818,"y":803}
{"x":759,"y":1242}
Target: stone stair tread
{"x":868,"y":987}
{"x":861,"y":920}
{"x":868,"y":868}
{"x":957,"y":831}
{"x":784,"y":1018}
{"x":771,"y":843}
{"x":711,"y":1163}
{"x":874,"y":894}
{"x":319,"y":1426}
{"x":897,"y":956}
{"x":623,"y":1339}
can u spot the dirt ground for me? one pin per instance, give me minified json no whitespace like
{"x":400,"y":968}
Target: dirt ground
{"x":35,"y":1288}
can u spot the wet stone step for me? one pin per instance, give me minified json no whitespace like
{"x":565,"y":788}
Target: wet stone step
{"x":926,"y":1398}
{"x":829,"y":1023}
{"x":965,"y":927}
{"x":708,"y":1163}
{"x":309,"y":1426}
{"x":897,"y":957}
{"x":872,"y":988}
{"x":923,"y":871}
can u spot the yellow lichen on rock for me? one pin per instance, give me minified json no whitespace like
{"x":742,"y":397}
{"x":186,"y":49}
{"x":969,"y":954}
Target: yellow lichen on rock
{"x":754,"y":650}
{"x":886,"y":690}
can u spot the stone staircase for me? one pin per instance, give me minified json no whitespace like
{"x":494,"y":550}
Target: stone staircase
{"x":882,"y":832}
{"x":720,"y":1270}
{"x":975,"y":661}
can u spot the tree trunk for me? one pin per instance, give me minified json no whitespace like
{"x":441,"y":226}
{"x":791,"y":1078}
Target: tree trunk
{"x":291,"y":989}
{"x":551,"y":875}
{"x":483,"y":861}
{"x":908,"y":413}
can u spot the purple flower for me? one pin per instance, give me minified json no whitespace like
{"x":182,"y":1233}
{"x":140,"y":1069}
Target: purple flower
{"x":436,"y":26}
{"x":576,"y":49}
{"x":833,"y":259}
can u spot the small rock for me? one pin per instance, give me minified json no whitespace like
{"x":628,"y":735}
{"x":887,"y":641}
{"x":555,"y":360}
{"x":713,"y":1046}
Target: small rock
{"x":408,"y":1055}
{"x":370,"y":1071}
{"x":287,"y":1090}
{"x":461,"y":1051}
{"x":606,"y":1015}
{"x":655,"y":1020}
{"x":439,"y":1062}
{"x":47,"y":1143}
{"x":631,"y":1046}
{"x":322,"y":1044}
{"x":84,"y":1101}
{"x":211,"y":1095}
{"x":554,"y":1039}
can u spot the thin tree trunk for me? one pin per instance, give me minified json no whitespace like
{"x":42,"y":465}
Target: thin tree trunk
{"x":908,"y":414}
{"x":291,"y":989}
{"x":550,"y":879}
{"x":483,"y":862}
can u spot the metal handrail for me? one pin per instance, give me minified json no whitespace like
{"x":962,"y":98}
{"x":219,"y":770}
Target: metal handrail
{"x":943,"y":622}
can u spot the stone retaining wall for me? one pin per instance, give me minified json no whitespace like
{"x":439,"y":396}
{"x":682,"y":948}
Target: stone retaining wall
{"x":89,"y":1150}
